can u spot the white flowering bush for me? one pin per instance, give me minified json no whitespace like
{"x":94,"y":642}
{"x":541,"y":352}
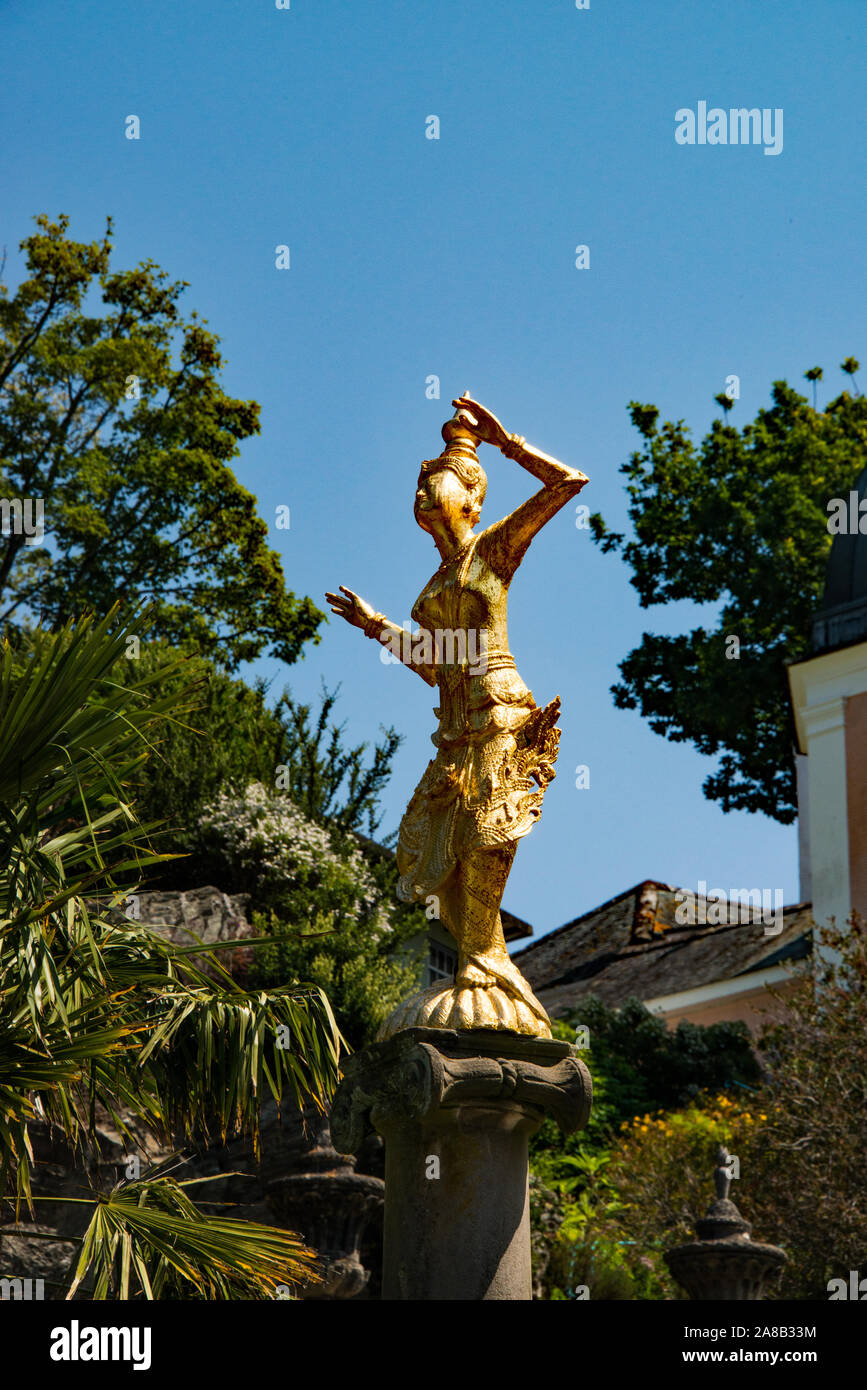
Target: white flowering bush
{"x":271,"y":845}
{"x":334,"y":918}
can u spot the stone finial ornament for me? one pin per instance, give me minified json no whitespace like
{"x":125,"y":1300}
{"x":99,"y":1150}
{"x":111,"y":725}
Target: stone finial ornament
{"x":724,"y":1263}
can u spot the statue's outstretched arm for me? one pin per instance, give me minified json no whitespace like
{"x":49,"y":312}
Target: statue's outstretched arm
{"x":405,"y":648}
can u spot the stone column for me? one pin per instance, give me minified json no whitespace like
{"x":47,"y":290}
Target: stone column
{"x":455,"y":1111}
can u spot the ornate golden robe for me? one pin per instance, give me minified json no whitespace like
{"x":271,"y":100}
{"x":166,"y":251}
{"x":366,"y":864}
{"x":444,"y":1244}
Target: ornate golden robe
{"x":495,"y":747}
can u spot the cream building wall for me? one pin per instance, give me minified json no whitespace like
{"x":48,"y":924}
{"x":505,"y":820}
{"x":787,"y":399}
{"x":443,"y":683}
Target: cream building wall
{"x":829,"y":699}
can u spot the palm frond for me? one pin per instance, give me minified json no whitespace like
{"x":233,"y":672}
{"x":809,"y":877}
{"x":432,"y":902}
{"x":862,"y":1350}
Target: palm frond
{"x":147,"y":1239}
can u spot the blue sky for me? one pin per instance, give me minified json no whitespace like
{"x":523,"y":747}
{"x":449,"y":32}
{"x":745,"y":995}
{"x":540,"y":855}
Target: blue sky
{"x":456,"y":257}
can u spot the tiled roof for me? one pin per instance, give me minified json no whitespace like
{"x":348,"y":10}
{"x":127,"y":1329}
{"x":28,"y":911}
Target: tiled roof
{"x":633,"y":946}
{"x":514,"y":928}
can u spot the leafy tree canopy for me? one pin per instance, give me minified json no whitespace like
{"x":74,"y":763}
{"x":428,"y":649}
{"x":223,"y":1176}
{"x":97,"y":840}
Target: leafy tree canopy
{"x":799,"y":1138}
{"x":808,"y":1158}
{"x":741,"y":520}
{"x":269,"y":802}
{"x":648,"y":1065}
{"x":325,"y":898}
{"x":112,"y":416}
{"x":638,"y":1066}
{"x":330,"y":782}
{"x":221,"y":734}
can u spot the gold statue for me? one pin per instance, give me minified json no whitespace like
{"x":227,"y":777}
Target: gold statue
{"x":495,"y":747}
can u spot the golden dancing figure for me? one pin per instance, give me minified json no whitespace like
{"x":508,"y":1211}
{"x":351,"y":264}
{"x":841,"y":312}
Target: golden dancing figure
{"x":495,"y":747}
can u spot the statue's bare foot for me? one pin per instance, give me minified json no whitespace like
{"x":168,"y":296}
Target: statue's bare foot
{"x":472,"y":977}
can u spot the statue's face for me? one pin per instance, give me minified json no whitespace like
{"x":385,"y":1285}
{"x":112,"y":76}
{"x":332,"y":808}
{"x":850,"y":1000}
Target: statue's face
{"x":439,"y":495}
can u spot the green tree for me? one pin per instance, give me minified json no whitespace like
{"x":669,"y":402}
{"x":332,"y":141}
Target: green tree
{"x":223,"y":765}
{"x":223,"y":737}
{"x":330,"y":782}
{"x":647,"y":1065}
{"x":799,"y":1138}
{"x":740,"y":521}
{"x":113,"y":417}
{"x":637,"y":1064}
{"x":807,"y":1158}
{"x":98,"y":1012}
{"x":661,"y":1166}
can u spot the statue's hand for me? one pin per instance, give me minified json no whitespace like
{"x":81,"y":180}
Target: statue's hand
{"x":482,"y":423}
{"x":352,"y":608}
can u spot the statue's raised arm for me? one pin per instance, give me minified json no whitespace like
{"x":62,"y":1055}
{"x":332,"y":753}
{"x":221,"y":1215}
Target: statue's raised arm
{"x":506,"y":541}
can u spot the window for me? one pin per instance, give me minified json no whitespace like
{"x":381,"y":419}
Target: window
{"x":441,"y":964}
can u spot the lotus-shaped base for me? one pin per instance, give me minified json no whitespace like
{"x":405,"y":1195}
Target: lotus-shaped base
{"x":450,"y":1005}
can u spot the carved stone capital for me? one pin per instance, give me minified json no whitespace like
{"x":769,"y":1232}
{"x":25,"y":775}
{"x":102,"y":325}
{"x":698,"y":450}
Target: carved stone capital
{"x":731,"y":1268}
{"x":420,"y":1075}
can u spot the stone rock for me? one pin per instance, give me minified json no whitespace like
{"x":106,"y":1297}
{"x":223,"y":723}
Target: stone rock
{"x":204,"y":913}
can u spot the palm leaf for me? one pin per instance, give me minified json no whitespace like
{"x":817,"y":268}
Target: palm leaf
{"x":147,"y":1239}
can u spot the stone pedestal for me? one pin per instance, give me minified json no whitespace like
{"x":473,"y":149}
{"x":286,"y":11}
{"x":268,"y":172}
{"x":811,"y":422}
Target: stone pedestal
{"x":455,"y":1111}
{"x":319,"y":1195}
